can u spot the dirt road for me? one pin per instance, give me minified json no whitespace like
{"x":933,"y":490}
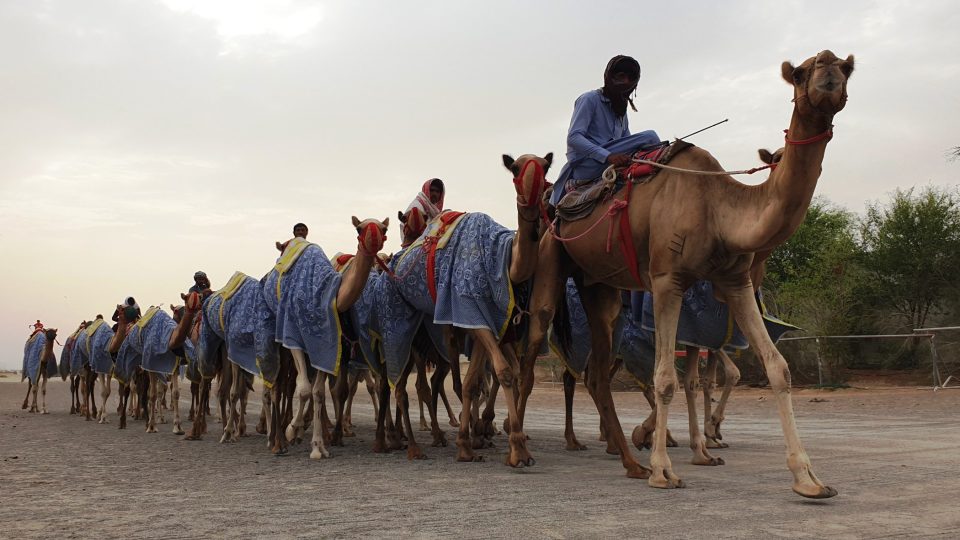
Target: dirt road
{"x":893,"y":454}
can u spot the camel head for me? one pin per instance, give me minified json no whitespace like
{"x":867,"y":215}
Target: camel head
{"x":371,"y":234}
{"x":412,"y":224}
{"x":50,"y":333}
{"x":529,"y":177}
{"x":819,"y":83}
{"x":177,"y":312}
{"x":192,"y":301}
{"x":770,"y":158}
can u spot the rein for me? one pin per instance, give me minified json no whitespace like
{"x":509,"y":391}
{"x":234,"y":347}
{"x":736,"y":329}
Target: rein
{"x":539,"y":182}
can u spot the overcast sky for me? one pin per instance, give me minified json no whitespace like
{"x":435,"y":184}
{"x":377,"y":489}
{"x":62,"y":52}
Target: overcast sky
{"x":143,"y":140}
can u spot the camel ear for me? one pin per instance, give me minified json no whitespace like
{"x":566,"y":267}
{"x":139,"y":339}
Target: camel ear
{"x":549,"y":159}
{"x":183,"y":296}
{"x":356,"y":222}
{"x":508,"y":162}
{"x":400,"y":217}
{"x":765,"y":156}
{"x":847,"y":67}
{"x":793,"y":75}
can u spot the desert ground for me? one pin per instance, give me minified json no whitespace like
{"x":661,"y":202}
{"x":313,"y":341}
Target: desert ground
{"x":892,"y":452}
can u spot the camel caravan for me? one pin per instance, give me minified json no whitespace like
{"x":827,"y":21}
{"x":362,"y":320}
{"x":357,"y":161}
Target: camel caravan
{"x":664,"y":249}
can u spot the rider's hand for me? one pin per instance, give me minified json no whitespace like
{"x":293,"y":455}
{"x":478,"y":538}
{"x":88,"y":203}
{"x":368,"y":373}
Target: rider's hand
{"x":618,"y":160}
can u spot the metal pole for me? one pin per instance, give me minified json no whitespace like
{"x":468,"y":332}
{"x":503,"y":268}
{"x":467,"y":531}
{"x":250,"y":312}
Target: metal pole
{"x":934,"y":360}
{"x":819,"y":364}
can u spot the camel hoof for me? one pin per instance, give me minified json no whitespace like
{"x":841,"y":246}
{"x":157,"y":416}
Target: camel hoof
{"x":291,"y":433}
{"x":440,"y":442}
{"x":379,"y":447}
{"x":424,"y":427}
{"x":707,"y":461}
{"x":191,"y":438}
{"x":454,"y":422}
{"x":576,"y":446}
{"x":177,"y":430}
{"x":280,"y":451}
{"x":639,"y":437}
{"x":469,"y":458}
{"x":639,"y":472}
{"x":319,"y":454}
{"x":414,"y":452}
{"x":818,"y":492}
{"x":713,"y":443}
{"x":665,"y":481}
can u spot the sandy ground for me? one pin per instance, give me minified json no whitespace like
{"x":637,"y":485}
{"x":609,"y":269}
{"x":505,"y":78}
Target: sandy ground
{"x":893,"y":454}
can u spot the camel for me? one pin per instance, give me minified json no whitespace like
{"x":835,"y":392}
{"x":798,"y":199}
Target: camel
{"x":98,"y":364}
{"x":66,"y":368}
{"x":230,"y":321}
{"x":682,"y":227}
{"x":153,"y":343}
{"x":305,"y":295}
{"x":39,"y":364}
{"x":462,"y":273}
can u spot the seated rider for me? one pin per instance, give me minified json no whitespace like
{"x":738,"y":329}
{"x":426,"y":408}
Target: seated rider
{"x":599,"y":133}
{"x":430,"y":199}
{"x":299,"y":231}
{"x":37,"y":328}
{"x":200,"y":283}
{"x":129,"y":302}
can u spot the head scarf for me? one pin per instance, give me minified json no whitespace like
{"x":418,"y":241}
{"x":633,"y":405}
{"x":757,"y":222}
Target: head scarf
{"x":620,"y":64}
{"x":422,"y":200}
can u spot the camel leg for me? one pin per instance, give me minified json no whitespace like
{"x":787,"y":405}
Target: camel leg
{"x":153,"y":397}
{"x":469,"y":393}
{"x":602,"y":305}
{"x":507,"y":372}
{"x":403,"y":404}
{"x":123,"y":395}
{"x":243,"y":393}
{"x":488,"y":429}
{"x":371,"y":389}
{"x":697,"y":441}
{"x":91,"y":382}
{"x":175,"y":401}
{"x":454,"y":347}
{"x":228,"y":397}
{"x":261,"y":427}
{"x":105,"y":383}
{"x":548,"y":289}
{"x":43,"y":391}
{"x":569,"y":387}
{"x":744,"y":308}
{"x":302,"y":392}
{"x":383,"y":392}
{"x":199,"y":419}
{"x":731,"y":376}
{"x":26,"y":398}
{"x":194,"y":400}
{"x":438,"y":391}
{"x":425,"y":395}
{"x":667,"y":296}
{"x":421,"y":379}
{"x":319,"y":449}
{"x":353,"y":380}
{"x":708,"y":385}
{"x":73,"y":409}
{"x":266,"y":397}
{"x":34,"y":387}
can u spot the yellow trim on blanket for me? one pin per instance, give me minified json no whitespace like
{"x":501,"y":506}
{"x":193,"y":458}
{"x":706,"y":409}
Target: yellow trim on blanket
{"x":341,"y":268}
{"x":432,"y":227}
{"x":142,"y":323}
{"x":295,"y":248}
{"x":93,"y":327}
{"x":266,"y":384}
{"x":227,"y":291}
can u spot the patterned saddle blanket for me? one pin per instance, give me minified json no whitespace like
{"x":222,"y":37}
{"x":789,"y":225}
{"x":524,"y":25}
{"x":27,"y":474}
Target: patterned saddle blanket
{"x":587,"y":194}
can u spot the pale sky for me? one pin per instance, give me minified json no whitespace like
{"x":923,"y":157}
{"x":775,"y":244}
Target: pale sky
{"x":144,"y":140}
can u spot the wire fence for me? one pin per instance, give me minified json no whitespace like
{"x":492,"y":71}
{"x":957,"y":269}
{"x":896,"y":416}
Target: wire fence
{"x":926,"y":356}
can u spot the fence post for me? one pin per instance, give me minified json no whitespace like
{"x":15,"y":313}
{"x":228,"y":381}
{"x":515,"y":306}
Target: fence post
{"x":935,"y":360}
{"x":819,"y":364}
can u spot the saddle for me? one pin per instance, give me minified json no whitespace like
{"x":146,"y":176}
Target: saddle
{"x":587,"y":194}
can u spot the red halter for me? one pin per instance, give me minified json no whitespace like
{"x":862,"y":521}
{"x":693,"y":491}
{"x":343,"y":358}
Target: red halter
{"x":826,"y":135}
{"x":539,"y":182}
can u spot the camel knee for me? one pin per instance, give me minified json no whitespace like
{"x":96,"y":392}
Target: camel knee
{"x":665,"y":390}
{"x":779,"y":374}
{"x":506,"y":378}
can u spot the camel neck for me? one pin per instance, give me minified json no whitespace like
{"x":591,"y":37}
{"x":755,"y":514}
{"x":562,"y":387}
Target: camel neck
{"x":781,"y":203}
